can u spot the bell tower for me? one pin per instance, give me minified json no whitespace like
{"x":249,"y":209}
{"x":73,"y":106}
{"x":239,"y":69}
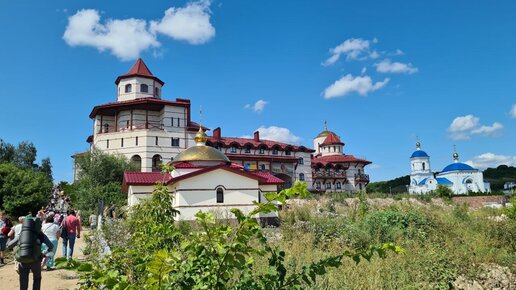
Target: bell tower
{"x":138,"y":83}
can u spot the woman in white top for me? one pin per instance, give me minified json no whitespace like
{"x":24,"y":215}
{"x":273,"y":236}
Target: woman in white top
{"x":51,"y":230}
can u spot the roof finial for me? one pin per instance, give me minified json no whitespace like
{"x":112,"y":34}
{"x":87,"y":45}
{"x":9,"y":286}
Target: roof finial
{"x":418,"y":144}
{"x":455,"y":154}
{"x":325,"y":125}
{"x":200,"y":137}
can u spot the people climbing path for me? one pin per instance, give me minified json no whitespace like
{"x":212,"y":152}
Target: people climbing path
{"x":51,"y":280}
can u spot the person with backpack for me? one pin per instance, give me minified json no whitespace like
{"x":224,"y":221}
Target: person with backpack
{"x":70,"y":229}
{"x":4,"y":230}
{"x":28,"y":252}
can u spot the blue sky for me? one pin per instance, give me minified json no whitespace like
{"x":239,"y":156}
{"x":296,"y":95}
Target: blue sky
{"x":380,"y":73}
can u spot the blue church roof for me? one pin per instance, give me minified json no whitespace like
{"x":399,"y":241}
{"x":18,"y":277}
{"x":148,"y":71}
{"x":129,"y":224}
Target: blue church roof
{"x":419,"y":153}
{"x":422,"y":182}
{"x":442,"y":180}
{"x":457,"y":166}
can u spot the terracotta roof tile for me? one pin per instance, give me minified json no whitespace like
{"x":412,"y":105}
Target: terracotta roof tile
{"x":139,"y":69}
{"x":338,"y":159}
{"x":332,"y":139}
{"x":227,"y":141}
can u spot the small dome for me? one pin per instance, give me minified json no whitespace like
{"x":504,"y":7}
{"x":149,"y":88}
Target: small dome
{"x":457,"y":166}
{"x":200,"y":153}
{"x":324,"y":134}
{"x":419,"y":153}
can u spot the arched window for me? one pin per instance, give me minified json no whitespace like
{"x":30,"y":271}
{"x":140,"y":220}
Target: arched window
{"x":337,"y":185}
{"x":220,"y":195}
{"x":262,"y":150}
{"x":328,"y":185}
{"x":233,"y":149}
{"x":247,"y":149}
{"x":156,"y":92}
{"x":301,"y":176}
{"x":144,"y":88}
{"x":300,"y":161}
{"x":318,"y":185}
{"x":424,"y":165}
{"x":156,"y":163}
{"x":136,"y":160}
{"x":106,"y":128}
{"x":128,"y":88}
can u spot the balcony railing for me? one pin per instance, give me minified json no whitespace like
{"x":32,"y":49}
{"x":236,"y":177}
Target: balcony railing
{"x":329,"y":174}
{"x":155,"y":126}
{"x":362,"y":177}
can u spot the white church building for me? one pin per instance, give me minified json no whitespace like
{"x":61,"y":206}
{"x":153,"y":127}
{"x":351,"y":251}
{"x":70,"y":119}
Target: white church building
{"x":461,"y":178}
{"x":204,"y":179}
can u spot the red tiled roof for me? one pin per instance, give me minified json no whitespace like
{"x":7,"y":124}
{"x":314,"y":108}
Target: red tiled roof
{"x":153,"y":104}
{"x":228,"y":141}
{"x":338,"y":159}
{"x":269,"y":178}
{"x":139,"y":69}
{"x":261,"y":157}
{"x":332,"y":139}
{"x":143,"y":178}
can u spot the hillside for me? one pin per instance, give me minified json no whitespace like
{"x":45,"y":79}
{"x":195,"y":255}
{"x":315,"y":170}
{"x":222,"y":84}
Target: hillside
{"x":496,"y":176}
{"x":500,"y":175}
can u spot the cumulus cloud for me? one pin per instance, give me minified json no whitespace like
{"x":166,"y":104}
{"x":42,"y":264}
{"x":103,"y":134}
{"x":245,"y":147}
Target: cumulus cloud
{"x":353,"y":48}
{"x":258,"y":107}
{"x":463,"y":127}
{"x":278,"y":134}
{"x":486,"y":160}
{"x":190,"y":23}
{"x":386,"y":66}
{"x":349,"y":84}
{"x":127,"y":38}
{"x":512,"y":113}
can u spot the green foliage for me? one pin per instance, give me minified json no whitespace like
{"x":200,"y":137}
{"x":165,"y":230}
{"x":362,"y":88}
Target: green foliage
{"x":100,"y":178}
{"x":22,"y":190}
{"x":397,"y":185}
{"x":499,"y":176}
{"x":444,"y":191}
{"x":211,"y":255}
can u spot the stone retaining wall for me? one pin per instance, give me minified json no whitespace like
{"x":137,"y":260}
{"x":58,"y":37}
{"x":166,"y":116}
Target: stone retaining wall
{"x":479,"y":201}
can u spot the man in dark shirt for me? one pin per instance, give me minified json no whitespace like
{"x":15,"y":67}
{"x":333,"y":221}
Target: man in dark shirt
{"x":35,"y":267}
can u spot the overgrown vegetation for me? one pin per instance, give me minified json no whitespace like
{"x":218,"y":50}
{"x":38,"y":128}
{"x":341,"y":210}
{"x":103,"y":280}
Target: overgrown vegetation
{"x":157,"y":254}
{"x":441,"y":241}
{"x":499,"y":176}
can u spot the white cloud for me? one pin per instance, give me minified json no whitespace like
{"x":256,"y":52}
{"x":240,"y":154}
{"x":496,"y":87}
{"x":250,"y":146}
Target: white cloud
{"x":190,"y":23}
{"x":488,"y":130}
{"x":386,"y":66}
{"x":278,"y":134}
{"x":353,"y":48}
{"x":463,"y":127}
{"x":513,"y":111}
{"x":486,"y":160}
{"x":363,"y":71}
{"x":258,"y":107}
{"x":398,"y":52}
{"x":349,"y":84}
{"x":125,"y":39}
{"x":128,"y":38}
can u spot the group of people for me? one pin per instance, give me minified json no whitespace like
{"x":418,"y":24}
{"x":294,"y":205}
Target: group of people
{"x":53,"y":224}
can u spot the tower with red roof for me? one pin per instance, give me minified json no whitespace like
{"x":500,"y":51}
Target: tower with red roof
{"x":332,"y":169}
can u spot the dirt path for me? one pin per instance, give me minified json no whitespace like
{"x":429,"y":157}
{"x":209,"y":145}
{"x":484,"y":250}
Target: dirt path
{"x":51,"y":280}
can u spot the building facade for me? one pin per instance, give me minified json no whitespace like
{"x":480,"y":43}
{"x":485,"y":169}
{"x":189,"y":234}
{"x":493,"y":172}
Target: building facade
{"x":333,"y":170}
{"x":139,"y":124}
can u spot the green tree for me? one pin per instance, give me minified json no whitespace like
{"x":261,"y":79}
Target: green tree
{"x":46,"y":167}
{"x":7,"y":152}
{"x":444,"y":191}
{"x":22,"y":190}
{"x":100,"y":178}
{"x":25,"y":155}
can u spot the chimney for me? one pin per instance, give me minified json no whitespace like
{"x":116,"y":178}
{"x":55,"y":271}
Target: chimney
{"x":257,"y":136}
{"x":216,"y":133}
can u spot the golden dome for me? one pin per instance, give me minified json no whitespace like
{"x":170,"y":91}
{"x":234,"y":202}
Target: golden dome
{"x":201,"y":137}
{"x":200,"y":153}
{"x":323,"y":134}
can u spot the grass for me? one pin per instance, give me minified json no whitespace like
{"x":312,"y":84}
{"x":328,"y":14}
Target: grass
{"x":440,"y":242}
